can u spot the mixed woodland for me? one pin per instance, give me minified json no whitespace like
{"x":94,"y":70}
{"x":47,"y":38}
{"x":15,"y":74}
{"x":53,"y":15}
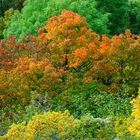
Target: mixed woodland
{"x":69,"y":70}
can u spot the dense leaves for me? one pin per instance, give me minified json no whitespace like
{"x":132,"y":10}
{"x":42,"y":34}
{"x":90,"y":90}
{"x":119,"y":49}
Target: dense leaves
{"x":57,"y":125}
{"x":90,"y":98}
{"x":122,"y":55}
{"x":63,"y":64}
{"x":35,"y":13}
{"x":135,"y":121}
{"x":134,"y":16}
{"x":66,"y":53}
{"x":119,"y":10}
{"x":124,"y":14}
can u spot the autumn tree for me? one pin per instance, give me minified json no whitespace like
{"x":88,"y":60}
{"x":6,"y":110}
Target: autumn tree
{"x":122,"y":56}
{"x":11,"y":50}
{"x":68,"y":43}
{"x":51,"y":62}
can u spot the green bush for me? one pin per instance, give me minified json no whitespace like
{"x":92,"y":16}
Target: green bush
{"x":95,"y":128}
{"x":90,"y":98}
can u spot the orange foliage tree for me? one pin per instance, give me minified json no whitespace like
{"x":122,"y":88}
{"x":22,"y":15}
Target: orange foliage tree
{"x":68,"y":44}
{"x":29,"y":75}
{"x":11,"y":50}
{"x":122,"y":56}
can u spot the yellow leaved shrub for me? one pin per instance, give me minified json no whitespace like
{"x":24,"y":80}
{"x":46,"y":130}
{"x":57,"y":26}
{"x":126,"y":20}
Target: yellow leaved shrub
{"x":134,"y":127}
{"x":44,"y":126}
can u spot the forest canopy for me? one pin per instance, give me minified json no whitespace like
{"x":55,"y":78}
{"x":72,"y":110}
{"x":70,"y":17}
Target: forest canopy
{"x":69,"y":70}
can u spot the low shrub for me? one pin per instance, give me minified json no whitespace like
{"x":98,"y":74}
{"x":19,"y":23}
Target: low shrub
{"x":61,"y":126}
{"x":90,"y":98}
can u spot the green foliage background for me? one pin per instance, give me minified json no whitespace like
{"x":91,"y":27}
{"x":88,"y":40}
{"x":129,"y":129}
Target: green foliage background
{"x":35,"y":13}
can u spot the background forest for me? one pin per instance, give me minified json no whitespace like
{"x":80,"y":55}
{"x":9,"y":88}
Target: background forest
{"x":69,"y":70}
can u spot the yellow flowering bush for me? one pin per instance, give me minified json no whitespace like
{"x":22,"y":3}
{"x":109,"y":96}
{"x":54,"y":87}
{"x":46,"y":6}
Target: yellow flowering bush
{"x":45,"y":126}
{"x":134,"y":127}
